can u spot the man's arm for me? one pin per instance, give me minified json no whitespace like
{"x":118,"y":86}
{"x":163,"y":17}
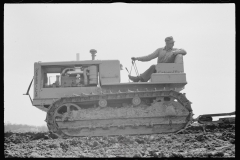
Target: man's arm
{"x":180,"y":51}
{"x":149,"y":57}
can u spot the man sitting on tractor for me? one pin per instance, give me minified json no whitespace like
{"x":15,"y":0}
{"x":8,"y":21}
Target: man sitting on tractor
{"x":166,"y":54}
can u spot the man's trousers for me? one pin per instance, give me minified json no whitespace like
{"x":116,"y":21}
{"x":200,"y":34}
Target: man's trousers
{"x":147,"y":74}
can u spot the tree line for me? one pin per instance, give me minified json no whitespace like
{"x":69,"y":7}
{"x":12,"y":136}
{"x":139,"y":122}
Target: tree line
{"x":24,"y":128}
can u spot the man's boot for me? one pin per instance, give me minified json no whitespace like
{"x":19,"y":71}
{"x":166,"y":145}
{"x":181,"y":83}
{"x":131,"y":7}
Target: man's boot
{"x":135,"y":79}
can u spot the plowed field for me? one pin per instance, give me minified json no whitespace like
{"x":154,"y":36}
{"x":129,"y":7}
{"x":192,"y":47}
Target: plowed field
{"x":216,"y":142}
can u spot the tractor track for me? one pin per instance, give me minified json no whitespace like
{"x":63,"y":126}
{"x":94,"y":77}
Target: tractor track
{"x":130,"y":124}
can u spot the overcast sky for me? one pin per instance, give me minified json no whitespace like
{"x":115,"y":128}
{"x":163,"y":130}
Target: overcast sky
{"x":56,"y":32}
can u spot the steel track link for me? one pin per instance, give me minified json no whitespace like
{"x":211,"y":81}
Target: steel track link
{"x":92,"y":98}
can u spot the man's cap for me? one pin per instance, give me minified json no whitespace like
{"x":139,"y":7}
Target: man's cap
{"x":169,"y":39}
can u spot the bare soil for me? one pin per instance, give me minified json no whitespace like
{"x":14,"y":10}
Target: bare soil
{"x":218,"y":141}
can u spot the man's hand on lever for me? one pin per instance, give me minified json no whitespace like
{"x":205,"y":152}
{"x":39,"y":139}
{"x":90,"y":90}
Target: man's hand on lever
{"x":134,"y":58}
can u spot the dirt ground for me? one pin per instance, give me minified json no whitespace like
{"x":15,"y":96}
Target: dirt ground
{"x":216,"y":142}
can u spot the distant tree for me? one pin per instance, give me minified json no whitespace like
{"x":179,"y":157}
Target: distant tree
{"x":24,"y":128}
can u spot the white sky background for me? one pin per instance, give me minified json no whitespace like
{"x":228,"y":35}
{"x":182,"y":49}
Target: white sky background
{"x":56,"y":32}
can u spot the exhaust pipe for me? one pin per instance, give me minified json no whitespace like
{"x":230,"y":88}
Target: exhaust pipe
{"x":93,"y":52}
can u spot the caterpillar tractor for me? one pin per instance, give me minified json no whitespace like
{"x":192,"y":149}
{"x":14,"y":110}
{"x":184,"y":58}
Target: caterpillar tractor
{"x":86,"y":98}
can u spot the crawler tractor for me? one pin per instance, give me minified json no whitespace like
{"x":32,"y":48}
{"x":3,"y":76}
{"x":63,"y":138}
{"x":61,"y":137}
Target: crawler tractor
{"x":86,"y":98}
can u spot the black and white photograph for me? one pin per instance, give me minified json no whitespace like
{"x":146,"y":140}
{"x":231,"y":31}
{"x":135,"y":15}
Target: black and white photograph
{"x":119,"y":80}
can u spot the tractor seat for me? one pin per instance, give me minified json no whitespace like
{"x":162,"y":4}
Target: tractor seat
{"x":170,"y":73}
{"x":176,"y":67}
